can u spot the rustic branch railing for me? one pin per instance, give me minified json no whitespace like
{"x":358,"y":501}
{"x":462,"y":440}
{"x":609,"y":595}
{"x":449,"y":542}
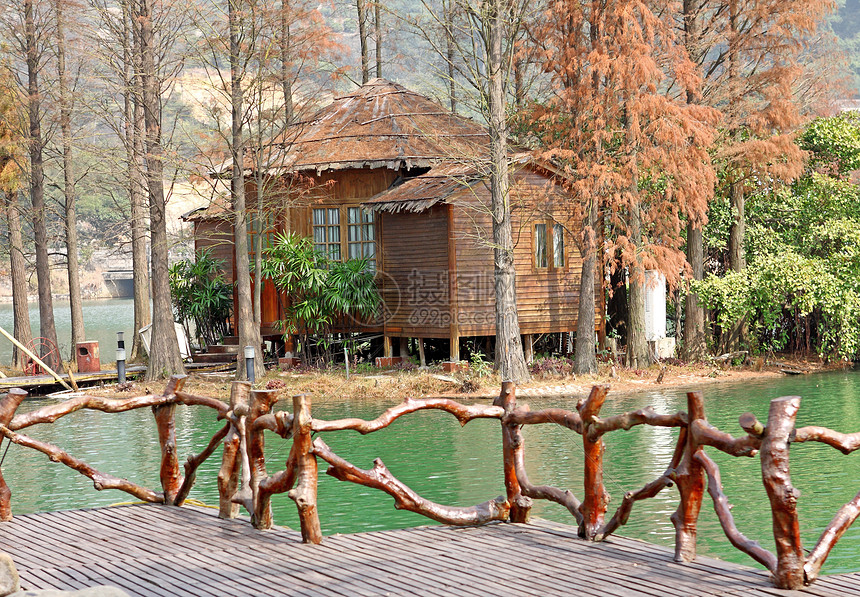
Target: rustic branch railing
{"x":243,"y":479}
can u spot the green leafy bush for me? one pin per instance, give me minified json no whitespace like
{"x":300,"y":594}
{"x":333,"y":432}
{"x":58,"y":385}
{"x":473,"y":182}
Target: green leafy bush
{"x":320,"y":290}
{"x":202,"y":297}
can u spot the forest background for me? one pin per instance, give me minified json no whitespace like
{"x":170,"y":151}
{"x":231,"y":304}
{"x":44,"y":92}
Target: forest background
{"x":196,"y":120}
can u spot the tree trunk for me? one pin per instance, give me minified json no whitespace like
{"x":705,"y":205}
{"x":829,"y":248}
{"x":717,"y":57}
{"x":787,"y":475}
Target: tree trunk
{"x":737,"y":259}
{"x":18,"y":264}
{"x":510,"y":359}
{"x":47,"y":328}
{"x":249,"y":331}
{"x":286,"y":73}
{"x":638,"y":356}
{"x":695,"y":345}
{"x":449,"y":53}
{"x":585,"y":359}
{"x":377,"y":29}
{"x":135,"y":127}
{"x":362,"y":36}
{"x":164,"y":358}
{"x":72,"y":266}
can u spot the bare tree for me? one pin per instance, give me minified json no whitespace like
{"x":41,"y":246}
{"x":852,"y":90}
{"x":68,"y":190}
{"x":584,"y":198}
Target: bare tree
{"x":34,"y":46}
{"x":71,"y":221}
{"x":164,"y":357}
{"x":11,"y":152}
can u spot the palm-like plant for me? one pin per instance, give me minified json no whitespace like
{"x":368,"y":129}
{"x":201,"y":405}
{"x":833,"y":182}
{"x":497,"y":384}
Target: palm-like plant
{"x":202,"y":297}
{"x":320,"y":290}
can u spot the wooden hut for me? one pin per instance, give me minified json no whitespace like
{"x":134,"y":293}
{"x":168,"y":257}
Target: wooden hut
{"x":388,"y":174}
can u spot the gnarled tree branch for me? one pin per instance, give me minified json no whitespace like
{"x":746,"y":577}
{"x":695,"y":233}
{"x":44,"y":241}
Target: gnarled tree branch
{"x":644,"y":416}
{"x":463,"y":413}
{"x":194,"y":462}
{"x":727,"y":521}
{"x":379,"y":477}
{"x":844,"y":518}
{"x":844,"y":442}
{"x":559,"y":416}
{"x":100,"y":480}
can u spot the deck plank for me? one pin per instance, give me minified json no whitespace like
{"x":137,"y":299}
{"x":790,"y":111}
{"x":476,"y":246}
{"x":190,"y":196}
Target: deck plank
{"x":152,"y":550}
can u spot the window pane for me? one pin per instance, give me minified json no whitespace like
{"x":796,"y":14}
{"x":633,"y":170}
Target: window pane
{"x":368,"y":231}
{"x":319,"y":234}
{"x":333,"y":215}
{"x":334,"y":234}
{"x":334,"y":252}
{"x":558,"y":245}
{"x":540,"y":245}
{"x":319,"y":217}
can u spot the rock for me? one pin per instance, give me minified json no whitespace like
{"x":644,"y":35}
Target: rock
{"x":8,"y":575}
{"x":102,"y":591}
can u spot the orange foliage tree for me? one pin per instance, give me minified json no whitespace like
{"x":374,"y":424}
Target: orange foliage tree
{"x":635,"y":152}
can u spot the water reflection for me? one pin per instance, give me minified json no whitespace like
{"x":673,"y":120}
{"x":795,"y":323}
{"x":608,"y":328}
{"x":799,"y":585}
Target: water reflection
{"x":431,"y":453}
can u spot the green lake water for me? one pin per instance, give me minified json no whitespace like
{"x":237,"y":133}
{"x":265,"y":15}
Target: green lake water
{"x":103,"y":318}
{"x":431,"y":453}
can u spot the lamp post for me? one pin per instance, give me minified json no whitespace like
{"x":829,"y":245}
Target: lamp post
{"x":249,"y":363}
{"x":120,"y":358}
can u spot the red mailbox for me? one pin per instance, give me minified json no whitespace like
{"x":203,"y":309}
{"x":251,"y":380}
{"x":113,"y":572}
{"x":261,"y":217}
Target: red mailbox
{"x":87,"y":357}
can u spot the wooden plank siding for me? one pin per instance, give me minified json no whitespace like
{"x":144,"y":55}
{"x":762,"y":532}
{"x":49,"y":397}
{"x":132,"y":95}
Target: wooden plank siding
{"x":415,"y":278}
{"x":547,"y":299}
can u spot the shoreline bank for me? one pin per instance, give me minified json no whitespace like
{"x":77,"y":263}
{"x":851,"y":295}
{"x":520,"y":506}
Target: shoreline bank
{"x":395,"y":385}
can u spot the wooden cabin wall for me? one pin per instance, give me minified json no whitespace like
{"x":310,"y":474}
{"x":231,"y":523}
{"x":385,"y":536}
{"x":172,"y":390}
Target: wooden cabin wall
{"x":346,"y":188}
{"x":415,"y":281}
{"x":342,"y":188}
{"x":217,"y":236}
{"x":547,"y":299}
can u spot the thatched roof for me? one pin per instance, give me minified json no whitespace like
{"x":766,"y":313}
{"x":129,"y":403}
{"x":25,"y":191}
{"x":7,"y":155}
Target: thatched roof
{"x":379,"y":125}
{"x":425,"y":191}
{"x":443,"y":182}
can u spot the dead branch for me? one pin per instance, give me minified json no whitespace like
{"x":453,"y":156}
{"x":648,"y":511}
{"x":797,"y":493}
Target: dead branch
{"x":100,"y":480}
{"x":280,"y":422}
{"x":724,"y":513}
{"x":559,"y":416}
{"x":8,"y":405}
{"x":648,"y":491}
{"x":563,"y":497}
{"x":644,"y":416}
{"x":262,"y":402}
{"x":171,"y":480}
{"x":194,"y":462}
{"x":512,"y":449}
{"x":463,"y":413}
{"x":192,"y":400}
{"x":783,"y":497}
{"x":690,"y":478}
{"x":706,"y":434}
{"x":52,"y":412}
{"x":379,"y":477}
{"x":596,"y":498}
{"x":304,"y":494}
{"x":844,"y":442}
{"x":844,"y":518}
{"x":280,"y":482}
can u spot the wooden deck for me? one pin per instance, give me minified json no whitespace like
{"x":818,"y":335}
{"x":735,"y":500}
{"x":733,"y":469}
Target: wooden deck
{"x":163,"y":551}
{"x":46,"y":382}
